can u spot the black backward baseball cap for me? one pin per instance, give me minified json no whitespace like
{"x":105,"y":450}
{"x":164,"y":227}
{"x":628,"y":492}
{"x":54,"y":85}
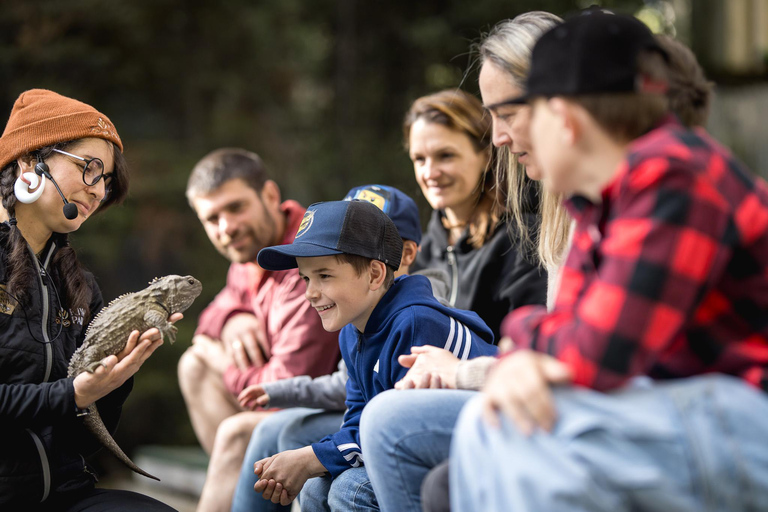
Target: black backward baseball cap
{"x":591,"y":53}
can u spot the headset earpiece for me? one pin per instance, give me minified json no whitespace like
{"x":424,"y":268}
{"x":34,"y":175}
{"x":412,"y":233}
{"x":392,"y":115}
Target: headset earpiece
{"x":41,"y":169}
{"x":27,"y":181}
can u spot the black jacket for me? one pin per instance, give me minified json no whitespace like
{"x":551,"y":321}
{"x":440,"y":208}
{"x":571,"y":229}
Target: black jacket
{"x":42,"y":441}
{"x":492,"y":280}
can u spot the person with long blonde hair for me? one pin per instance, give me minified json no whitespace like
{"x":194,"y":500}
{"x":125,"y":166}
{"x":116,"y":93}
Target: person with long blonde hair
{"x":405,"y":435}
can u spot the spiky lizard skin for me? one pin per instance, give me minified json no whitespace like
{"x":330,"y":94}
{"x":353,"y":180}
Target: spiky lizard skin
{"x":108,"y":332}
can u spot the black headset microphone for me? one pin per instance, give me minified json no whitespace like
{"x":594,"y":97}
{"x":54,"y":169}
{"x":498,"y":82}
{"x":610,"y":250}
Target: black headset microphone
{"x":70,"y":209}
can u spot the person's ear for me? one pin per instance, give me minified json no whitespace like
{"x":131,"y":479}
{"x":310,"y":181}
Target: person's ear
{"x":377,"y":275}
{"x":26,"y":163}
{"x":570,"y":122}
{"x":410,"y":250}
{"x":270,"y":194}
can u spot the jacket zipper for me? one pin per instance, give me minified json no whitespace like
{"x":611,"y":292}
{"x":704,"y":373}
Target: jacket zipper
{"x":46,"y":307}
{"x":88,"y":471}
{"x":359,"y":362}
{"x":454,"y":275}
{"x":48,"y":366}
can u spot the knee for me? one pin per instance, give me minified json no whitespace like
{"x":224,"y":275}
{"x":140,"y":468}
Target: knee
{"x":314,"y":494}
{"x":288,"y":437}
{"x":191,"y":369}
{"x":352,"y":490}
{"x":382,"y":415}
{"x":263,"y":441}
{"x":233,"y":434}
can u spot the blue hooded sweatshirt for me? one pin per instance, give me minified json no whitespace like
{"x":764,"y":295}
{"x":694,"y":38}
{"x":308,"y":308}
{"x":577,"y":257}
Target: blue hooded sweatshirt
{"x":407,"y":315}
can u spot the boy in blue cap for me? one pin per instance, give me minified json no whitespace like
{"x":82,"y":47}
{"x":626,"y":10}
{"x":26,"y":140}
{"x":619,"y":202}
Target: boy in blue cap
{"x":347,"y":252}
{"x":314,"y":408}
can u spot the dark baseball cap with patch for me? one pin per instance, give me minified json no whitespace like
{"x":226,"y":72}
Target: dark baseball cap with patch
{"x":339,"y":227}
{"x":398,"y":205}
{"x":592,"y":53}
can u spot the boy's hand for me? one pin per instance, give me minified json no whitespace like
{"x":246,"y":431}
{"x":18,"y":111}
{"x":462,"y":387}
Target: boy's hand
{"x":282,"y":476}
{"x":253,"y":397}
{"x":430,"y":367}
{"x":518,"y":386}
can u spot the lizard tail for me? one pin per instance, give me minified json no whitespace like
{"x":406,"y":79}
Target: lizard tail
{"x":94,"y":423}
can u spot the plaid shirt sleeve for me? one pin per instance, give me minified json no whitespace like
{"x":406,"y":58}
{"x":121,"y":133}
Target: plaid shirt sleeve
{"x":638,"y":269}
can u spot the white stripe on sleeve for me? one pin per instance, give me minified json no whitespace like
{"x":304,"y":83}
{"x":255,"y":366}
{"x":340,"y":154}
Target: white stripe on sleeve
{"x":467,"y":344}
{"x":459,"y":336}
{"x":450,"y":335}
{"x":358,"y":459}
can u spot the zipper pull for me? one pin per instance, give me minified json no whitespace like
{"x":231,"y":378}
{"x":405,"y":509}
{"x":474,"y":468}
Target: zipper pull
{"x":88,"y":471}
{"x":359,"y":341}
{"x":42,"y":272}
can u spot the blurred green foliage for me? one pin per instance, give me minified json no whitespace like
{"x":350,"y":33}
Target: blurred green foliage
{"x":317,"y":88}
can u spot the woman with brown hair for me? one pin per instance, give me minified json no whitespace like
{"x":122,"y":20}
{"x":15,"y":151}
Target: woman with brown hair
{"x":47,"y":300}
{"x":448,"y":137}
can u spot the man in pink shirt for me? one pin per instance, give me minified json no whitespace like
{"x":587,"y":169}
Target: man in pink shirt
{"x":259,"y":328}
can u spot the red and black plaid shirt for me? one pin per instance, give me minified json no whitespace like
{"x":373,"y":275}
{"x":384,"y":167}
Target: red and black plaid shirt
{"x":668,"y":277}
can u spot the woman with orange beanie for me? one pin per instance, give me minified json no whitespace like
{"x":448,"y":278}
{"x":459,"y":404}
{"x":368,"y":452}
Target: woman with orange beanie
{"x":47,"y":300}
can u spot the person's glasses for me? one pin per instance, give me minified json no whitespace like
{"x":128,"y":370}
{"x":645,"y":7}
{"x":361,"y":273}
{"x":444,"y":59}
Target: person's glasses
{"x":93,"y":170}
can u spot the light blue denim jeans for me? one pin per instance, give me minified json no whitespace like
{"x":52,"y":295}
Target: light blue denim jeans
{"x":696,"y":444}
{"x":285,"y":430}
{"x":404,"y":434}
{"x":351,"y":491}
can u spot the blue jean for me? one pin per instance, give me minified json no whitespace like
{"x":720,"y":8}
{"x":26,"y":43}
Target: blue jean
{"x":285,"y":430}
{"x":403,"y":435}
{"x":687,"y":445}
{"x":350,"y":491}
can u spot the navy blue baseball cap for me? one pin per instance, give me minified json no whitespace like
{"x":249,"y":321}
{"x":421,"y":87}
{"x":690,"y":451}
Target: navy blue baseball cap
{"x":339,"y":227}
{"x":399,"y":206}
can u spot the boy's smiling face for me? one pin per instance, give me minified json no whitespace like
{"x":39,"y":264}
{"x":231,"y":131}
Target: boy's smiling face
{"x":337,"y":292}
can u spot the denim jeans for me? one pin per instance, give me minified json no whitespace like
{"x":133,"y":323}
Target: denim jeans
{"x":696,"y":444}
{"x":403,"y":435}
{"x":285,"y":430}
{"x":351,"y":491}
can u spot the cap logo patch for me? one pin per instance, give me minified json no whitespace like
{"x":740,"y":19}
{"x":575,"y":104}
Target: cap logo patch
{"x":372,"y":197}
{"x":104,"y":128}
{"x":306,"y":223}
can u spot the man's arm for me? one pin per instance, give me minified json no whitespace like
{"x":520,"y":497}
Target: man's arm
{"x":663,"y":246}
{"x":298,"y":344}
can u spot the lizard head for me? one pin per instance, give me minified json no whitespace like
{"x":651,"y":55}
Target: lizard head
{"x":177,"y":293}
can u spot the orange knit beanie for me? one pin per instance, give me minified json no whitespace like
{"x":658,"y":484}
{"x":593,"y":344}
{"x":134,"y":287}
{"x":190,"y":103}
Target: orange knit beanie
{"x":41,"y":118}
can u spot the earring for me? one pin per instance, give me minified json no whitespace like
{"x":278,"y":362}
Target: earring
{"x":25,"y":182}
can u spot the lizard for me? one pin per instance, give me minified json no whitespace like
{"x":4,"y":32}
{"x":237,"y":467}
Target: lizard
{"x":107,"y":334}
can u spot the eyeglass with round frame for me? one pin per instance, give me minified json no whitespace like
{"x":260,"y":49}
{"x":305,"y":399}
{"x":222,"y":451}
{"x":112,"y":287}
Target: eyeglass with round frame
{"x":93,"y":170}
